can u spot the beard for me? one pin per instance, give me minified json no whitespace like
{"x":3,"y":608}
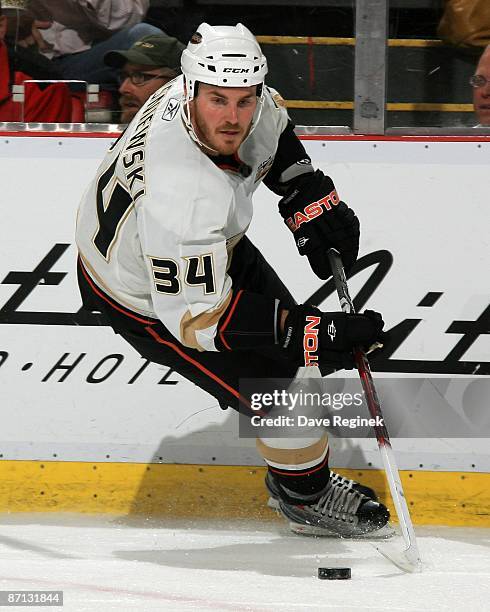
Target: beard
{"x":129,"y":107}
{"x":215,"y":139}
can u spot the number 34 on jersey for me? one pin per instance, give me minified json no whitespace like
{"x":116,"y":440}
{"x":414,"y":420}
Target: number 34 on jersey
{"x":168,"y":275}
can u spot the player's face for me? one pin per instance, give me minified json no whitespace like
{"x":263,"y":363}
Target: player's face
{"x":133,"y":95}
{"x":481,"y":95}
{"x":222,"y":116}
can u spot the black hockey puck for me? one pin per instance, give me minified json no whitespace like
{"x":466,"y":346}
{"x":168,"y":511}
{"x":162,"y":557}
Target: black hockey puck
{"x":334,"y":573}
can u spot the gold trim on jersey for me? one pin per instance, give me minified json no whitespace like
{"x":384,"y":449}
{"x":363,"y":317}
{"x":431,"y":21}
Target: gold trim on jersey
{"x":189,"y":324}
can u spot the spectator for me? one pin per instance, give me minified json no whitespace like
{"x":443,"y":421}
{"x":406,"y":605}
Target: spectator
{"x":82,"y":31}
{"x":480,"y":82}
{"x":145,"y":67}
{"x":52,"y":104}
{"x":20,"y":37}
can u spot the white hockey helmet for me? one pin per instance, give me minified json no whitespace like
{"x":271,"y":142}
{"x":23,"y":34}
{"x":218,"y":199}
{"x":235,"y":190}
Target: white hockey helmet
{"x":226,"y":56}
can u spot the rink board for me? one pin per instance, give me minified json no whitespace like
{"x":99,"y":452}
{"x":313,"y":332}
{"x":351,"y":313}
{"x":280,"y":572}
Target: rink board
{"x":217,"y":492}
{"x":73,"y":392}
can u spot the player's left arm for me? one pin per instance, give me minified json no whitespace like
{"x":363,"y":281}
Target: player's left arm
{"x":311,"y":207}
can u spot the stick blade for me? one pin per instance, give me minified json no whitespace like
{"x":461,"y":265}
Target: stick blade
{"x":407,"y":560}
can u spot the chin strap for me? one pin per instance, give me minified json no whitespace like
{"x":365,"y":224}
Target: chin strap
{"x":186,"y":117}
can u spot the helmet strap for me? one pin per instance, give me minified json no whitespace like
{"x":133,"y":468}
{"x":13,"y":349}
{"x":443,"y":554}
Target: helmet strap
{"x":186,"y":117}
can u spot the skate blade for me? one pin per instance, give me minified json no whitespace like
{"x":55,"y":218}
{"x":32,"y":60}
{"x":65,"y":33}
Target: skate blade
{"x":384,"y":533}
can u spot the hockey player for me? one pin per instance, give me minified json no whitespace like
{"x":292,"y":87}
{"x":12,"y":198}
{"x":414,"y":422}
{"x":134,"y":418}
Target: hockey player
{"x":164,"y":256}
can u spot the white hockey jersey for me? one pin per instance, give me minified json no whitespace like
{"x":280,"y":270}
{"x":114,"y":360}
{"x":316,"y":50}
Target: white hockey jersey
{"x":156,"y":227}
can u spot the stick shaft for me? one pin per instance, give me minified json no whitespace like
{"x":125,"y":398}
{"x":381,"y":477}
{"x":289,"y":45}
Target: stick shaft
{"x":374,"y":406}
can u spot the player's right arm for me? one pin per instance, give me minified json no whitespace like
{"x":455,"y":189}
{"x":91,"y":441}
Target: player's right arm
{"x":194,"y":298}
{"x":193,"y":295}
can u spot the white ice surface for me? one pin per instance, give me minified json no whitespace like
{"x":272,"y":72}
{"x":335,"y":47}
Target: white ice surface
{"x":109,"y":564}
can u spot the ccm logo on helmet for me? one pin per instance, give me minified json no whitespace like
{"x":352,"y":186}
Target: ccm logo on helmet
{"x":237,"y":70}
{"x":313,"y":210}
{"x":310,"y":340}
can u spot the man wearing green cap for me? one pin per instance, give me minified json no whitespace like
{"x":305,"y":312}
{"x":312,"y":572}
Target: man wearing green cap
{"x":145,"y":67}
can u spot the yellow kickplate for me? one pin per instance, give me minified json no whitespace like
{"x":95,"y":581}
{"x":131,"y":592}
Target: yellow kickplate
{"x":441,"y":498}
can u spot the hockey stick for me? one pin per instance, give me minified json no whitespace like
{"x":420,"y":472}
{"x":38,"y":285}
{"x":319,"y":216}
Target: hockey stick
{"x":409,"y":559}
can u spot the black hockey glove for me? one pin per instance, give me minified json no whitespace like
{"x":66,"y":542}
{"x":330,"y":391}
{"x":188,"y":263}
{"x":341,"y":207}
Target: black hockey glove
{"x":320,"y":221}
{"x":312,"y":337}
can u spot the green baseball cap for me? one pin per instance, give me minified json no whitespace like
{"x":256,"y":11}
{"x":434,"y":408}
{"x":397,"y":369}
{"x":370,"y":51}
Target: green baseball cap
{"x":155,"y":50}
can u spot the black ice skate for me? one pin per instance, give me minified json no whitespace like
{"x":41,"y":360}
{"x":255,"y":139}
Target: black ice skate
{"x":335,"y":479}
{"x":342,"y":511}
